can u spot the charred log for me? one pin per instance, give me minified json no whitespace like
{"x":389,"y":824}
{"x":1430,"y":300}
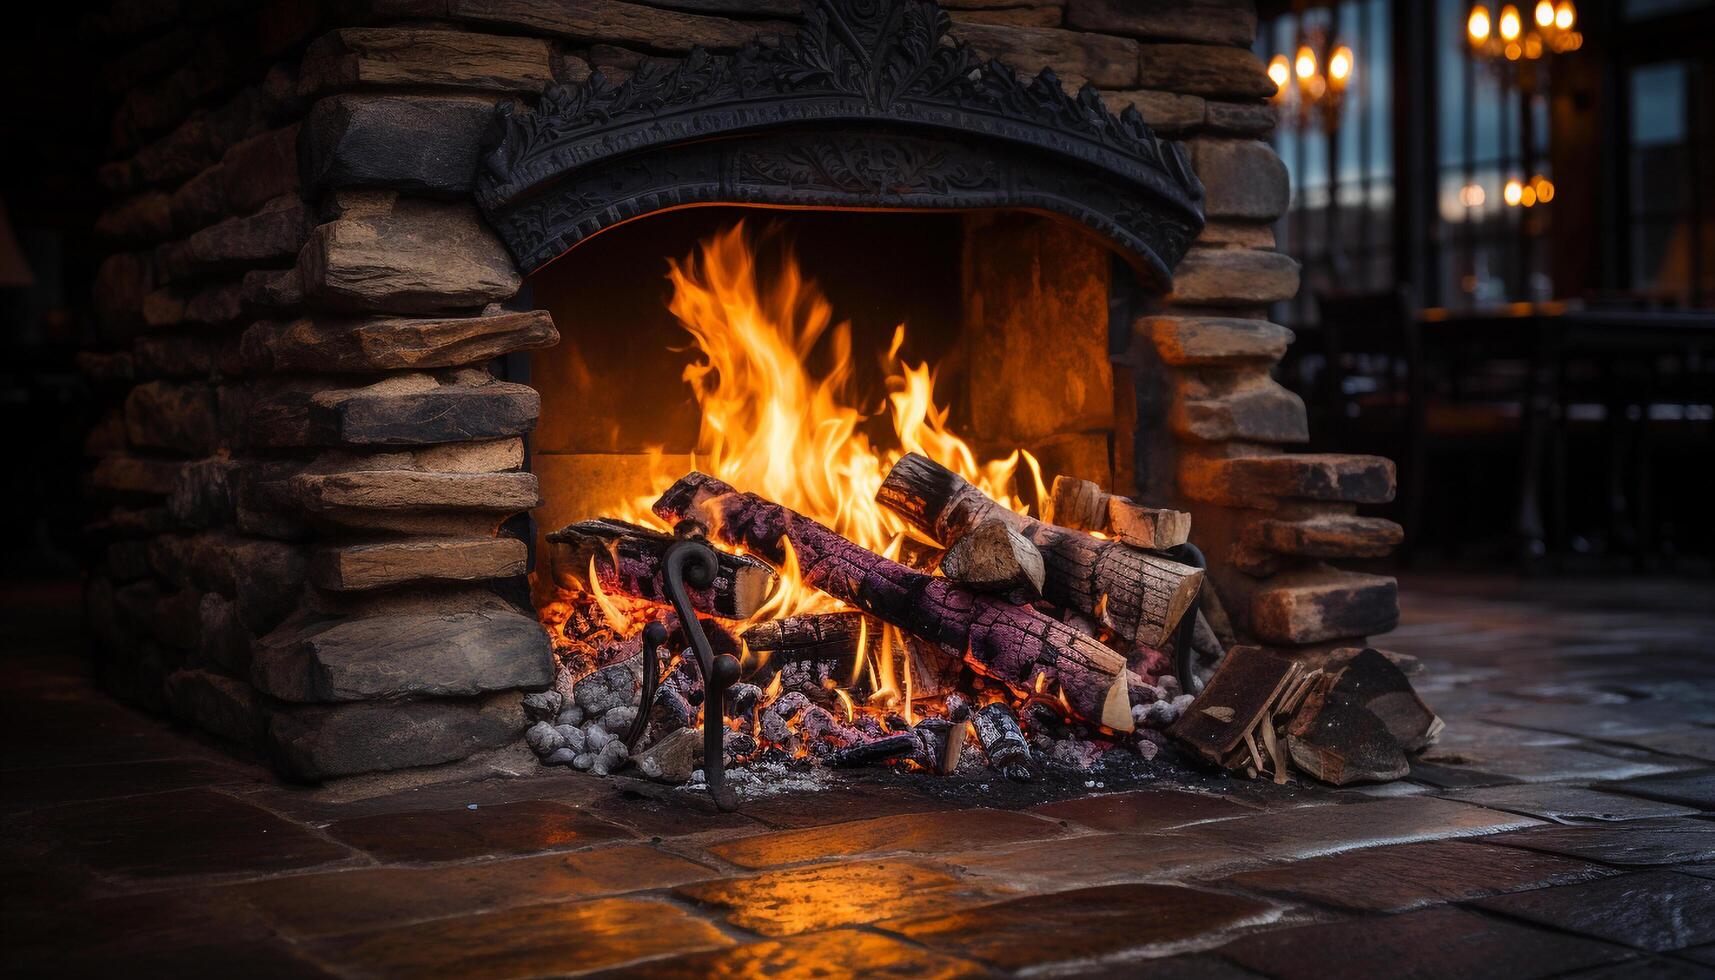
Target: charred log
{"x":1137,"y":595}
{"x":628,"y":560}
{"x":1014,"y":644}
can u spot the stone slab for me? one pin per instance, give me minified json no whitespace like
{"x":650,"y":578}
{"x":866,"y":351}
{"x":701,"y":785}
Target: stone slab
{"x":915,"y":833}
{"x":1312,"y":832}
{"x":1570,"y":804}
{"x":1635,"y":842}
{"x":783,"y":903}
{"x":1650,"y":910}
{"x":523,"y":827}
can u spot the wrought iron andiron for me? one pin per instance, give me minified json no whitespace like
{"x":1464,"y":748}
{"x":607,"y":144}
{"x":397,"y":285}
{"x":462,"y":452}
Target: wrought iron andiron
{"x":691,"y":560}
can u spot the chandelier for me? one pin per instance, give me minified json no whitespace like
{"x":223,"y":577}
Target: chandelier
{"x":1310,"y":88}
{"x":1508,"y":39}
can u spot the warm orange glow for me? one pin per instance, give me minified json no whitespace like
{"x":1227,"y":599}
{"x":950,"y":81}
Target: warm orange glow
{"x":1509,"y":24}
{"x":774,"y":426}
{"x":1512,"y":193}
{"x":1340,"y":65}
{"x":1544,"y":189}
{"x":1478,"y":26}
{"x":1279,"y":73}
{"x":1544,"y":13}
{"x":1305,"y":64}
{"x":1564,"y":15}
{"x":1527,"y":196}
{"x":1472,"y":196}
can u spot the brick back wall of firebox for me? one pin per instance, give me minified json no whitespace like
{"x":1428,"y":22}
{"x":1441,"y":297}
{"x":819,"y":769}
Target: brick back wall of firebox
{"x":303,"y":494}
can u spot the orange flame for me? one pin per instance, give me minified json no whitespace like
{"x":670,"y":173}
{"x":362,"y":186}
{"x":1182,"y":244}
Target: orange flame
{"x":773,"y":426}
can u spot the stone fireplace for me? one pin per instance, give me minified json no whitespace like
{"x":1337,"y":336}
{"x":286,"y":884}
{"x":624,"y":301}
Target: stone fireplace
{"x":387,"y":304}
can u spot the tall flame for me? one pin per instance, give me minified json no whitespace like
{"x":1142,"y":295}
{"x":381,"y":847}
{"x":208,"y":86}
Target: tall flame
{"x":774,"y":426}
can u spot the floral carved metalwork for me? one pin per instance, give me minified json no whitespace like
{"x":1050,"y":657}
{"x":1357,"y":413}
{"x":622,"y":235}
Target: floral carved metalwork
{"x":870,"y":105}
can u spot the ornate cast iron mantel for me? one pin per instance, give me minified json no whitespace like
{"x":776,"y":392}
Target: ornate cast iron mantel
{"x":871,"y":105}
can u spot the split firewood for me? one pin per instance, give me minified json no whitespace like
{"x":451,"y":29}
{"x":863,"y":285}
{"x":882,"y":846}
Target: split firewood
{"x":1138,"y":596}
{"x":884,"y":749}
{"x":1013,"y":644}
{"x":1003,"y":740}
{"x":992,"y":557}
{"x":628,"y":561}
{"x":1242,"y":693}
{"x":1338,"y":741}
{"x":1085,"y":506}
{"x":1372,"y":681}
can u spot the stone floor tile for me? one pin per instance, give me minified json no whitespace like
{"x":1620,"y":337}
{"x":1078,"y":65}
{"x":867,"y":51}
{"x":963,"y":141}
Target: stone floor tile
{"x":1704,"y":955}
{"x":1689,"y":789}
{"x":1143,"y":811}
{"x":789,"y":810}
{"x":1647,"y":968}
{"x":1604,"y":721}
{"x":1650,"y":910}
{"x":42,"y":733}
{"x":534,"y":940}
{"x":1693,"y":743}
{"x":28,"y":789}
{"x":843,"y":954}
{"x":1704,"y":870}
{"x":259,"y":960}
{"x":526,"y":827}
{"x":1195,"y":966}
{"x":913,"y":833}
{"x":1442,"y":776}
{"x":653,"y":810}
{"x":363,"y":899}
{"x":185,"y":832}
{"x":1100,"y":860}
{"x":1298,"y":834}
{"x":1471,"y":732}
{"x":1429,"y":944}
{"x":1543,"y":763}
{"x":1407,"y":876}
{"x":114,"y":928}
{"x":1679,"y":840}
{"x":1569,"y":804}
{"x":828,"y":896}
{"x":1084,"y":923}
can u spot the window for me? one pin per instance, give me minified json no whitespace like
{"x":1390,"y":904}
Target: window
{"x":1672,"y":250}
{"x":1340,"y":222}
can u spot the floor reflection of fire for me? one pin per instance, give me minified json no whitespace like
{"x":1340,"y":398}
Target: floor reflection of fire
{"x":889,"y":598}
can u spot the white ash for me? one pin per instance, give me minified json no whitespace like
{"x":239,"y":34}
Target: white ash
{"x":760,"y":780}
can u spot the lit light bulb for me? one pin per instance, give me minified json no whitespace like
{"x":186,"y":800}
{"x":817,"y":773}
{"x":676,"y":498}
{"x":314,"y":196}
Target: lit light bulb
{"x":1513,"y":51}
{"x":1305,"y":64}
{"x":1527,"y":197}
{"x":1472,"y":196}
{"x":1512,"y":193}
{"x":1340,"y":65}
{"x":1279,"y":73}
{"x":1478,"y":25}
{"x":1509,"y":23}
{"x":1564,"y":15}
{"x":1544,"y":188}
{"x":1544,"y":13}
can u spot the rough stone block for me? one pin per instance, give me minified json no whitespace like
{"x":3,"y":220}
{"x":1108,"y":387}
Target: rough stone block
{"x":454,"y":654}
{"x":1195,"y":341}
{"x":135,"y":475}
{"x":383,"y":492}
{"x":380,"y":416}
{"x":180,"y":356}
{"x":322,"y":742}
{"x":1234,"y":277}
{"x":142,"y":219}
{"x":618,"y":22}
{"x":225,"y":642}
{"x":417,"y":144}
{"x":1165,"y":112}
{"x":199,"y":201}
{"x":1245,"y":234}
{"x":1242,"y":118}
{"x":1108,"y":62}
{"x":177,"y":417}
{"x":387,"y":344}
{"x":1242,"y":179}
{"x":407,"y":256}
{"x":410,"y":57}
{"x":1255,"y":481}
{"x":1318,"y":604}
{"x":1047,"y":16}
{"x":1254,"y":410}
{"x":226,"y":707}
{"x":1204,"y":21}
{"x":379,"y":564}
{"x":260,"y":169}
{"x":273,"y":234}
{"x":1326,"y":536}
{"x":271,"y":289}
{"x":1203,"y":69}
{"x":121,"y":282}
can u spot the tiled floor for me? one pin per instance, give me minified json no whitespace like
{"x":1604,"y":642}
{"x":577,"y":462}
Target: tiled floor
{"x":1562,"y":827}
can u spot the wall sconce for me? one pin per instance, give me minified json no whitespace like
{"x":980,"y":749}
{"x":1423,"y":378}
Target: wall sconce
{"x":1321,"y":82}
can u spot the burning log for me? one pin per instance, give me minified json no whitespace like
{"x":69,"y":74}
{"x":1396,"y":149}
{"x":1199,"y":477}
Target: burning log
{"x":1137,"y":595}
{"x":817,"y":636}
{"x":992,"y":557}
{"x":884,"y":749}
{"x":1084,"y":506}
{"x":1011,"y":643}
{"x":628,"y":561}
